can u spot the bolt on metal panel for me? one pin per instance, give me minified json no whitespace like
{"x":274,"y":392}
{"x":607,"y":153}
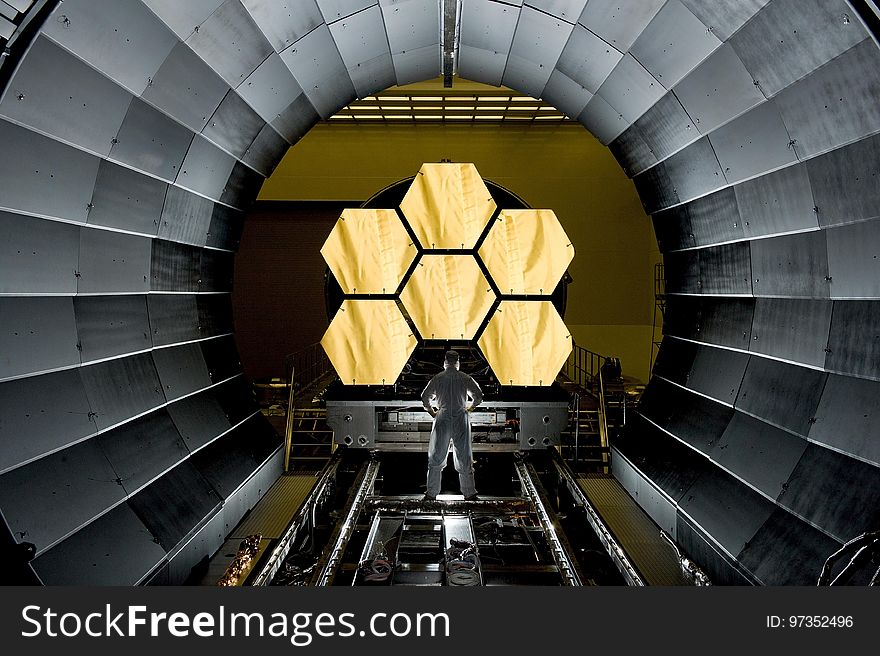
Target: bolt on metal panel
{"x":120,"y":38}
{"x":411,"y":25}
{"x":285,"y":22}
{"x":182,"y":370}
{"x":360,"y":37}
{"x":845,"y":183}
{"x":270,"y":88}
{"x":226,"y":228}
{"x":792,"y":329}
{"x":847,"y":418}
{"x":617,"y":23}
{"x":199,"y":418}
{"x":791,"y":266}
{"x":206,"y":168}
{"x":631,"y":89}
{"x":682,"y":272}
{"x":725,"y":321}
{"x":419,"y":64}
{"x":587,"y":59}
{"x":183,"y":18}
{"x":215,"y":271}
{"x":173,"y":318}
{"x":38,"y":334}
{"x":266,"y":150}
{"x":173,"y":267}
{"x":109,"y":326}
{"x":717,"y":372}
{"x":715,"y":218}
{"x":295,"y":120}
{"x":777,"y":202}
{"x":675,"y":360}
{"x":566,"y":95}
{"x":632,"y":151}
{"x":724,"y":17}
{"x":602,"y":120}
{"x":215,"y":319}
{"x":854,"y":260}
{"x":120,"y":389}
{"x":567,"y":10}
{"x":725,"y":269}
{"x":126,"y":199}
{"x":333,"y":10}
{"x":480,"y":65}
{"x":488,"y":26}
{"x":656,"y":189}
{"x":853,"y":347}
{"x":666,"y":127}
{"x":537,"y":44}
{"x":150,"y":141}
{"x":37,"y":256}
{"x":673,"y":229}
{"x":234,"y":125}
{"x":242,"y":186}
{"x":373,"y":76}
{"x":186,"y":217}
{"x":111,"y":262}
{"x":694,"y":171}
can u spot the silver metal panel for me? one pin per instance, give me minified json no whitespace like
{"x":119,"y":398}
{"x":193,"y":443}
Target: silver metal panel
{"x":602,"y":120}
{"x":112,"y":262}
{"x":372,"y":76}
{"x":666,"y":127}
{"x":270,"y":88}
{"x":363,"y":45}
{"x":234,"y":125}
{"x":205,"y":542}
{"x":524,"y":76}
{"x":183,"y":17}
{"x":695,"y":171}
{"x":333,"y":10}
{"x":715,"y":218}
{"x":854,"y":260}
{"x":656,"y":189}
{"x":844,"y":183}
{"x":295,"y":120}
{"x":45,"y":176}
{"x":199,"y":418}
{"x":284,"y":22}
{"x":216,"y":271}
{"x":568,"y":10}
{"x":320,"y":71}
{"x":226,"y":463}
{"x":231,"y":42}
{"x":37,"y":256}
{"x":790,"y":38}
{"x":20,"y":5}
{"x":186,"y":217}
{"x":758,"y":453}
{"x":487,"y":26}
{"x":242,"y":186}
{"x":537,"y":44}
{"x":717,"y":373}
{"x":792,"y":329}
{"x":587,"y":59}
{"x":682,"y":272}
{"x":126,"y":199}
{"x":411,"y":24}
{"x":619,"y":23}
{"x":220,"y":355}
{"x":853,"y":343}
{"x":673,"y":44}
{"x":121,"y":389}
{"x":632,"y":151}
{"x":174,"y":267}
{"x":56,"y":495}
{"x":41,"y":414}
{"x":37,"y":334}
{"x":206,"y":168}
{"x":724,"y":17}
{"x":695,"y":420}
{"x":725,"y":269}
{"x":726,"y":322}
{"x":186,"y":88}
{"x":182,"y":370}
{"x":835,"y":104}
{"x":120,"y":38}
{"x":173,"y":318}
{"x":486,"y":66}
{"x":116,"y":549}
{"x":58,"y":94}
{"x":7,"y":28}
{"x":215,"y":318}
{"x":419,"y":64}
{"x":718,"y":90}
{"x":752,"y":144}
{"x":792,"y":265}
{"x":848,"y":417}
{"x":150,"y":141}
{"x":266,"y":151}
{"x":777,"y":202}
{"x":111,"y":325}
{"x":631,"y":89}
{"x":226,"y":227}
{"x":566,"y":95}
{"x":673,"y":230}
{"x":785,"y":395}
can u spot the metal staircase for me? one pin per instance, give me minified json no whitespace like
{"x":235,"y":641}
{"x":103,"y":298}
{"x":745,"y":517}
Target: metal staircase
{"x":308,"y":440}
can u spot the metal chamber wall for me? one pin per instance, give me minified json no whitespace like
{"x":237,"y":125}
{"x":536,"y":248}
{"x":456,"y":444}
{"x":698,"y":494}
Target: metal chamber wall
{"x":135,"y":133}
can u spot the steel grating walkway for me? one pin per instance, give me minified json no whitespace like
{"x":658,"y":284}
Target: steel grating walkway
{"x":271,"y":515}
{"x":635,"y":531}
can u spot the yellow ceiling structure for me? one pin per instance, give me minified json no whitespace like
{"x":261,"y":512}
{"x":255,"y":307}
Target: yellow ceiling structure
{"x":369,"y":251}
{"x":527,"y":251}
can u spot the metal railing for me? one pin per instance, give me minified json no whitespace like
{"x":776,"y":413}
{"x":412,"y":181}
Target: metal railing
{"x":303,"y":369}
{"x":584,"y":367}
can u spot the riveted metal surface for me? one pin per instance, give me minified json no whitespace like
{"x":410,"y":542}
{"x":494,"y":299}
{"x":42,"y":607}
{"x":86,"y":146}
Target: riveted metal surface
{"x":568,"y":10}
{"x":836,"y":103}
{"x":120,"y":389}
{"x":854,"y":260}
{"x":789,"y":38}
{"x":173,"y":318}
{"x":846,"y":182}
{"x":111,"y":262}
{"x":682,"y":318}
{"x":700,"y":546}
{"x":270,"y":88}
{"x":666,"y":127}
{"x":791,"y":265}
{"x":632,"y":151}
{"x":777,"y":202}
{"x":715,"y":218}
{"x":363,"y":46}
{"x":616,"y":23}
{"x":215,"y":271}
{"x":45,"y":176}
{"x":37,"y":334}
{"x":673,"y":229}
{"x":126,"y":199}
{"x":111,"y":325}
{"x":718,"y":90}
{"x":631,"y":89}
{"x":783,"y":394}
{"x":726,"y":322}
{"x":792,"y":329}
{"x":537,"y":44}
{"x":283,"y":23}
{"x":587,"y":59}
{"x":215,"y":318}
{"x":333,"y":10}
{"x":566,"y":95}
{"x":115,"y":549}
{"x":199,"y":418}
{"x":225,"y":229}
{"x":221,"y":357}
{"x":675,"y":359}
{"x":682,"y":272}
{"x":37,"y":256}
{"x":60,"y":95}
{"x":186,"y":88}
{"x":150,"y":141}
{"x":142,"y":449}
{"x":181,"y":369}
{"x":481,"y":65}
{"x":37,"y":500}
{"x":242,"y":186}
{"x":603,"y":120}
{"x":754,"y":143}
{"x":227,"y":462}
{"x":266,"y":150}
{"x":487,"y":26}
{"x":320,"y":71}
{"x":374,"y":75}
{"x":234,"y":125}
{"x":121,"y":38}
{"x":205,"y":168}
{"x":823,"y":474}
{"x":411,"y":25}
{"x":854,"y":339}
{"x":41,"y":414}
{"x":724,"y":17}
{"x":848,"y":418}
{"x":758,"y":453}
{"x":725,"y":269}
{"x":694,"y":171}
{"x":655,"y":187}
{"x":186,"y":217}
{"x":717,"y":373}
{"x":231,"y":41}
{"x":297,"y":119}
{"x":673,"y":44}
{"x":174,"y":267}
{"x":237,"y":399}
{"x":183,"y":17}
{"x":419,"y":64}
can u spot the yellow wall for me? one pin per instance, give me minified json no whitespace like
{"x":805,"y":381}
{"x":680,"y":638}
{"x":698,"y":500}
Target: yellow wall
{"x":560,"y":167}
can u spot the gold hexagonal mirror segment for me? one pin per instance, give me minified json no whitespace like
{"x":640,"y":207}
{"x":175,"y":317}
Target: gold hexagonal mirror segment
{"x":368,"y":342}
{"x":369,"y":251}
{"x":448,"y":206}
{"x":526,"y":251}
{"x":447,"y":296}
{"x":526,"y":343}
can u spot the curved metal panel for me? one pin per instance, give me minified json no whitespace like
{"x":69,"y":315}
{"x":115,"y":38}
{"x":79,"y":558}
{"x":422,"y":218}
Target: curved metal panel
{"x":242,"y":186}
{"x":777,"y":202}
{"x":791,"y":265}
{"x":199,"y":419}
{"x":726,"y":322}
{"x":413,"y":28}
{"x":126,"y":199}
{"x":37,"y":334}
{"x":174,"y":267}
{"x":655,"y":187}
{"x":205,"y":168}
{"x":632,"y":152}
{"x":631,"y":89}
{"x":234,"y":125}
{"x":333,"y":10}
{"x":587,"y":59}
{"x":215,"y":271}
{"x":295,"y":120}
{"x":111,"y":325}
{"x":270,"y":88}
{"x":853,"y":346}
{"x":487,"y":30}
{"x":717,"y":373}
{"x":724,"y":17}
{"x":673,"y":229}
{"x":112,"y":262}
{"x":682,"y":272}
{"x":568,"y":10}
{"x":120,"y":389}
{"x":616,"y":23}
{"x":225,"y":228}
{"x":566,"y":95}
{"x":365,"y":51}
{"x":722,"y":568}
{"x":537,"y":44}
{"x":266,"y":151}
{"x":792,"y":329}
{"x":227,"y":462}
{"x":844,"y":183}
{"x":186,"y":218}
{"x":854,"y":260}
{"x":215,"y":318}
{"x":783,"y":394}
{"x":181,"y":370}
{"x":666,"y":127}
{"x":37,"y":256}
{"x":714,"y":218}
{"x":284,"y":22}
{"x":695,"y":171}
{"x":602,"y":120}
{"x":221,"y":357}
{"x":183,"y":17}
{"x":41,"y":414}
{"x":726,"y":269}
{"x":848,"y":418}
{"x":675,"y":359}
{"x":173,"y":318}
{"x":418,"y":64}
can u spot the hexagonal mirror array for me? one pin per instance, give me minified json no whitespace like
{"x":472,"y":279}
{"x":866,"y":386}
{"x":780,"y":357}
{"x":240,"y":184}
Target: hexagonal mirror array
{"x":448,"y":296}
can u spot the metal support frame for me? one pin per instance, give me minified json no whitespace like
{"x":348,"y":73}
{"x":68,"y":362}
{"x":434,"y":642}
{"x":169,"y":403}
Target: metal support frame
{"x":659,"y":308}
{"x":451,"y":14}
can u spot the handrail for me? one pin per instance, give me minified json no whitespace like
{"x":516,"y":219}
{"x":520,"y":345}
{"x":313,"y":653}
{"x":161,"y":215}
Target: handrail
{"x":303,"y":369}
{"x":584,"y":367}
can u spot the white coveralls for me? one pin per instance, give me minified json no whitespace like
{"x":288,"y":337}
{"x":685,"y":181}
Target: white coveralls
{"x":448,"y":391}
